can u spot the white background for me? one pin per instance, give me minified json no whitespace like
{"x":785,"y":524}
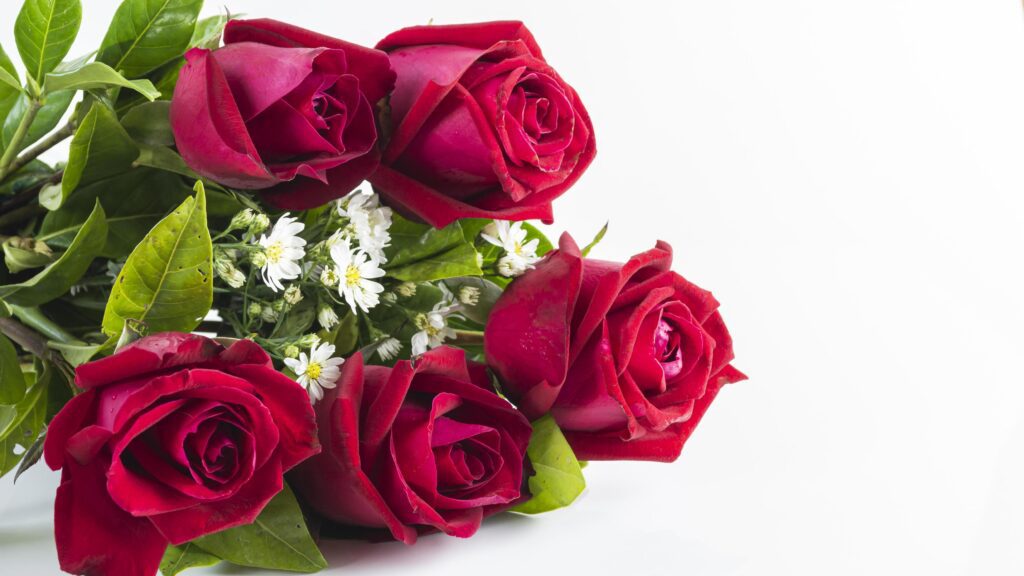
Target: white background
{"x":848,"y":178}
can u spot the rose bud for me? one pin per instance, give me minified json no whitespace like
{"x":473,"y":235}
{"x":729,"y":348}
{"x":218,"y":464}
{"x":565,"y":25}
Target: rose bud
{"x":480,"y":125}
{"x":626,"y":357}
{"x":415,"y":447}
{"x":282,"y":110}
{"x":174,"y":437}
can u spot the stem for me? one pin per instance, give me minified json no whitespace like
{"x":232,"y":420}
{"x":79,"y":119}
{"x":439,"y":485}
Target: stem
{"x":20,"y":214}
{"x":45,"y":144}
{"x":34,"y":343}
{"x":28,"y":194}
{"x":469,"y":337}
{"x":34,"y":318}
{"x":19,"y":135}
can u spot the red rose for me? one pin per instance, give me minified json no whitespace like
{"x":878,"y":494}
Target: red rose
{"x":413,"y":447}
{"x":626,"y":357}
{"x":482,"y":126}
{"x":283,"y":110}
{"x":174,"y":437}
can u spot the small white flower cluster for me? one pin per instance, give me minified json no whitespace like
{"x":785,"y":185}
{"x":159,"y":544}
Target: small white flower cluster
{"x":520,"y":255}
{"x":357,"y":250}
{"x":282,"y":251}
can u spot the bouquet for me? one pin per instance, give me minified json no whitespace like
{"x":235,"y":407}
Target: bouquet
{"x":284,"y":287}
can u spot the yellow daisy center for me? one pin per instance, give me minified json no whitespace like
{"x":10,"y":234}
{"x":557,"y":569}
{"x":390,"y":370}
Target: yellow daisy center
{"x":274,"y":252}
{"x":352,"y":276}
{"x":313,"y":370}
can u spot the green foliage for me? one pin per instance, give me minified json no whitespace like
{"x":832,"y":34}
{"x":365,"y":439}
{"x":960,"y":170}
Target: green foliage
{"x":421,"y":253}
{"x":54,"y":107}
{"x":150,"y":123}
{"x":277,"y":540}
{"x":145,"y":34}
{"x":179,"y":558}
{"x":597,"y":239}
{"x":558,"y":477}
{"x":345,"y":335}
{"x":44,"y":32}
{"x":18,"y":259}
{"x":12,"y":381}
{"x":97,"y":76}
{"x":57,"y":278}
{"x":208,"y":32}
{"x":24,"y":421}
{"x":8,"y":93}
{"x":167,"y":280}
{"x":135,"y":201}
{"x":100,"y":149}
{"x":488,"y":295}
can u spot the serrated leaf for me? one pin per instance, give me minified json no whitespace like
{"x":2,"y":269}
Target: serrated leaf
{"x":145,"y":34}
{"x":134,"y":201}
{"x":12,"y":381}
{"x":412,"y":241}
{"x":166,"y":281}
{"x":98,"y":76}
{"x":345,"y":335}
{"x":179,"y":558}
{"x":597,"y":239}
{"x":558,"y":478}
{"x":32,"y":455}
{"x":277,"y":540}
{"x":44,"y":32}
{"x":46,"y":119}
{"x":24,"y":428}
{"x":54,"y":280}
{"x":100,"y":149}
{"x":149,"y":123}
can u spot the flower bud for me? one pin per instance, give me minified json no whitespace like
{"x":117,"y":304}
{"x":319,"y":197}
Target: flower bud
{"x":307,"y":341}
{"x":293,"y":295}
{"x":327,"y":317}
{"x":228,"y":273}
{"x":406,"y":289}
{"x":259,"y":259}
{"x":242,"y":219}
{"x":255,"y":309}
{"x":291,"y":351}
{"x":329,"y":276}
{"x":469,"y":295}
{"x":260,"y":222}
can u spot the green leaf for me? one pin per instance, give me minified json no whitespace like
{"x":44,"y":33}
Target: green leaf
{"x":46,"y":119}
{"x":346,"y":335}
{"x":135,"y":201}
{"x":164,"y":158}
{"x":558,"y":478}
{"x":78,"y":354}
{"x":100,"y":149}
{"x":208,"y":32}
{"x":147,"y":33}
{"x":22,"y":430}
{"x":97,"y":76}
{"x":188,"y":555}
{"x":166,"y":281}
{"x":54,"y":280}
{"x":31,"y":456}
{"x":8,"y":93}
{"x":420,"y":253}
{"x":10,"y":79}
{"x":12,"y":381}
{"x":461,"y":260}
{"x":595,"y":241}
{"x":543,"y":244}
{"x":44,"y":32}
{"x":149,"y":123}
{"x":277,"y":540}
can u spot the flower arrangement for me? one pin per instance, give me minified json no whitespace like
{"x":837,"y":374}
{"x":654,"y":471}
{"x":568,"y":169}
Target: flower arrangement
{"x":281,"y":277}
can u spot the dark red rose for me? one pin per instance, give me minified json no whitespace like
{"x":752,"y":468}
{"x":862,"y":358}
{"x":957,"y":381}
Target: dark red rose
{"x":415,"y":447}
{"x":283,"y":110}
{"x":481,"y":125}
{"x":626,"y":357}
{"x":174,"y":437}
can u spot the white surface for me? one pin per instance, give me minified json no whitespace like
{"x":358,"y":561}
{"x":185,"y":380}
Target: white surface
{"x":848,"y":178}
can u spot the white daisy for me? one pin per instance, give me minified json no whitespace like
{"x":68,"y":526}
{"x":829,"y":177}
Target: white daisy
{"x":316,"y":372}
{"x":389,"y":348}
{"x":282,"y":251}
{"x":356,"y":271}
{"x":434,"y":329}
{"x":369,"y":220}
{"x":520,"y":254}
